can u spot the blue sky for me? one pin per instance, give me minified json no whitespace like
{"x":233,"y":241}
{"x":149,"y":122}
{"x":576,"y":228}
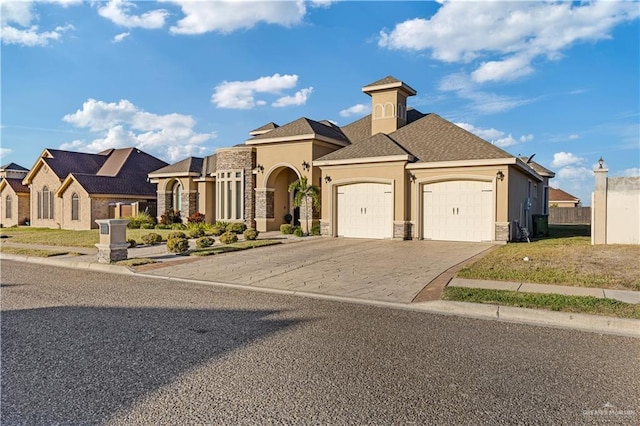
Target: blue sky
{"x":180,"y":78}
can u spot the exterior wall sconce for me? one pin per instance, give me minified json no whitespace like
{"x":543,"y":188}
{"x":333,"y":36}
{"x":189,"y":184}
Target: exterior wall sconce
{"x":600,"y":163}
{"x":500,"y":175}
{"x":306,"y":166}
{"x":327,"y":179}
{"x":259,"y":168}
{"x":412,"y":177}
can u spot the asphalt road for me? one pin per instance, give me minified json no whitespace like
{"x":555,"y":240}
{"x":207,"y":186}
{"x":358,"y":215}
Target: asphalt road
{"x":87,"y":348}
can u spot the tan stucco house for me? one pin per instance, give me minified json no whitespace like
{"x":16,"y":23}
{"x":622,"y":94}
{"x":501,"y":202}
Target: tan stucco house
{"x":560,"y":198}
{"x":14,"y":196}
{"x":396,"y":173}
{"x":70,"y":190}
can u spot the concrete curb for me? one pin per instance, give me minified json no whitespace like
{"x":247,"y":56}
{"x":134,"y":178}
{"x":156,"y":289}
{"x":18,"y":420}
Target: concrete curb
{"x":583,"y":322}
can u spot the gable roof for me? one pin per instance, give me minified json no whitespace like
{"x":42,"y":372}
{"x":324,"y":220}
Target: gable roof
{"x":264,"y":129}
{"x":190,"y":165}
{"x":541,"y":170}
{"x":389,"y":82}
{"x":128,"y":183}
{"x":361,"y":129}
{"x":302,"y":128}
{"x":376,"y":146}
{"x":15,"y":184}
{"x":557,"y":194}
{"x":14,"y":167}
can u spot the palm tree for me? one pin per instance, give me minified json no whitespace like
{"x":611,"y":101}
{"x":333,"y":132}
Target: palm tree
{"x":304,"y":191}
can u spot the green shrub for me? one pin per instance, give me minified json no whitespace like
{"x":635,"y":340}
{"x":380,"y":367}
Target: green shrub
{"x":178,"y":226}
{"x":132,"y":242}
{"x":228,"y":238}
{"x":315,"y":229}
{"x":152,"y":239}
{"x":236,"y":228}
{"x":170,"y":216}
{"x":161,"y":226}
{"x":196,"y":217}
{"x":250,"y":234}
{"x":204,"y":242}
{"x":137,"y":221}
{"x":177,"y":245}
{"x":176,"y":234}
{"x":286,"y":229}
{"x":222,"y":224}
{"x":217,"y":230}
{"x":147,"y":226}
{"x":297,"y":231}
{"x":195,"y":231}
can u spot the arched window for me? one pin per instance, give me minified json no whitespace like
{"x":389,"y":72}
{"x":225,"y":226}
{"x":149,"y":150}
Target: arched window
{"x":75,"y":207}
{"x":7,"y":210}
{"x":378,"y":111}
{"x":388,"y":110}
{"x":45,"y":203}
{"x":176,"y":196}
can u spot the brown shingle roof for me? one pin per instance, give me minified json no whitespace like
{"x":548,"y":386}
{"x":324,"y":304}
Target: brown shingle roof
{"x":432,"y":138}
{"x":361,"y":129}
{"x":556,"y":194}
{"x":124,"y":184}
{"x":209,"y":165}
{"x":64,"y":162}
{"x":541,"y":170}
{"x":378,"y":145}
{"x":14,"y":166}
{"x":16,"y":185}
{"x":265,"y":128}
{"x":188,"y":165}
{"x":303,"y":126}
{"x":386,"y":80}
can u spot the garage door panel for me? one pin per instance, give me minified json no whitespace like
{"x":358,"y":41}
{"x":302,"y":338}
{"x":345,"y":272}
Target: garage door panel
{"x":457,"y":211}
{"x":365,"y":210}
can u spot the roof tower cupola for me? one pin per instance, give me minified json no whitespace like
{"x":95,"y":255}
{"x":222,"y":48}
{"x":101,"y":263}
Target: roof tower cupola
{"x":388,"y":104}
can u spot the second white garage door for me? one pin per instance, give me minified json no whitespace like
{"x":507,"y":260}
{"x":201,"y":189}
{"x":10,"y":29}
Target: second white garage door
{"x":458,"y":210}
{"x":365,"y":210}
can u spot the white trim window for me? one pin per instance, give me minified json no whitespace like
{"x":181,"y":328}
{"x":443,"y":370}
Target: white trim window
{"x":8,"y":213}
{"x":45,"y":203}
{"x":230,"y":195}
{"x":75,"y":206}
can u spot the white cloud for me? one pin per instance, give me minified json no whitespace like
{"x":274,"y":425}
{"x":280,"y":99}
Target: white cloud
{"x":122,"y":124}
{"x":357,"y":109}
{"x":575,"y":173}
{"x":240,"y":94}
{"x":561,"y":159}
{"x":17,"y":24}
{"x":117,"y":11}
{"x":513,"y":33}
{"x":4,"y":152}
{"x":632,"y":172}
{"x":119,"y":37}
{"x":299,"y":98}
{"x":495,"y":136}
{"x":480,"y":101}
{"x":227,"y":16}
{"x":573,"y":137}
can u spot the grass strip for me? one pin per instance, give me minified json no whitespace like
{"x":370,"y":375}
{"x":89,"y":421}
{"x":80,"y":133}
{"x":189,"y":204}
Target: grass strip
{"x":241,"y":245}
{"x":136,"y":261}
{"x":32,"y":252}
{"x":552,"y":302}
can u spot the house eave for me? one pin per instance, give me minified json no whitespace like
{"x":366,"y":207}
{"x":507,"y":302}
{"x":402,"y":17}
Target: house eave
{"x":297,"y":138}
{"x":365,"y":160}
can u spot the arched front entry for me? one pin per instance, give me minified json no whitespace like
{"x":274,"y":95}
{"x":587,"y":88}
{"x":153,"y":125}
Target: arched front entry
{"x":274,"y":201}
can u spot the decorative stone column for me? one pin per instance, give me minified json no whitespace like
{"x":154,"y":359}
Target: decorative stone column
{"x":599,"y":208}
{"x":113,"y":243}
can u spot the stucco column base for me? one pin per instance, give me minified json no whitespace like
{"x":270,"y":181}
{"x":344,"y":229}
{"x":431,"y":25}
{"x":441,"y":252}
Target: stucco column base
{"x":108,"y":253}
{"x":502,"y":231}
{"x":324,"y":228}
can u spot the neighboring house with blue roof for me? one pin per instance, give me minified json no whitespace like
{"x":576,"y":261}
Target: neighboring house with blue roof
{"x":70,"y":190}
{"x":14,"y":196}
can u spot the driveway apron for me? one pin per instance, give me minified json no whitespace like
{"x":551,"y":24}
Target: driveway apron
{"x":382,"y":270}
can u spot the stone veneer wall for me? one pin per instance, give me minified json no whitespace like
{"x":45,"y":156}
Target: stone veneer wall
{"x":502,"y":231}
{"x":402,"y":230}
{"x":264,"y":202}
{"x":241,"y":158}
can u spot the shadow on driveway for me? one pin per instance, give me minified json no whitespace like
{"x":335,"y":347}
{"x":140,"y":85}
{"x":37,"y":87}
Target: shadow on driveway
{"x":81,"y":365}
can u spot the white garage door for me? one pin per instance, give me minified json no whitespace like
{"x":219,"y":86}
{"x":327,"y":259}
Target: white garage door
{"x":365,"y":210}
{"x":457,"y":210}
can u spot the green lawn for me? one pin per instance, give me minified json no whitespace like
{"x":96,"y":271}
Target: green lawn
{"x":31,"y":252}
{"x":63,"y":237}
{"x":553,"y":302}
{"x":561,"y":259}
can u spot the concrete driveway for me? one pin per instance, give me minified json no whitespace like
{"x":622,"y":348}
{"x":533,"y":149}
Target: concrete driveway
{"x":384,"y":270}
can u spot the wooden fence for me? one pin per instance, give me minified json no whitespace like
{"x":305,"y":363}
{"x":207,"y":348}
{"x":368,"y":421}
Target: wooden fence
{"x":569,"y":215}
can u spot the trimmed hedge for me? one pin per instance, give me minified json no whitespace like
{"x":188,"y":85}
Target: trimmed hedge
{"x":250,"y":234}
{"x":228,"y":238}
{"x":177,"y":245}
{"x":286,"y":229}
{"x":176,"y":234}
{"x":236,"y":228}
{"x":204,"y":242}
{"x":152,"y":239}
{"x":297,"y":231}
